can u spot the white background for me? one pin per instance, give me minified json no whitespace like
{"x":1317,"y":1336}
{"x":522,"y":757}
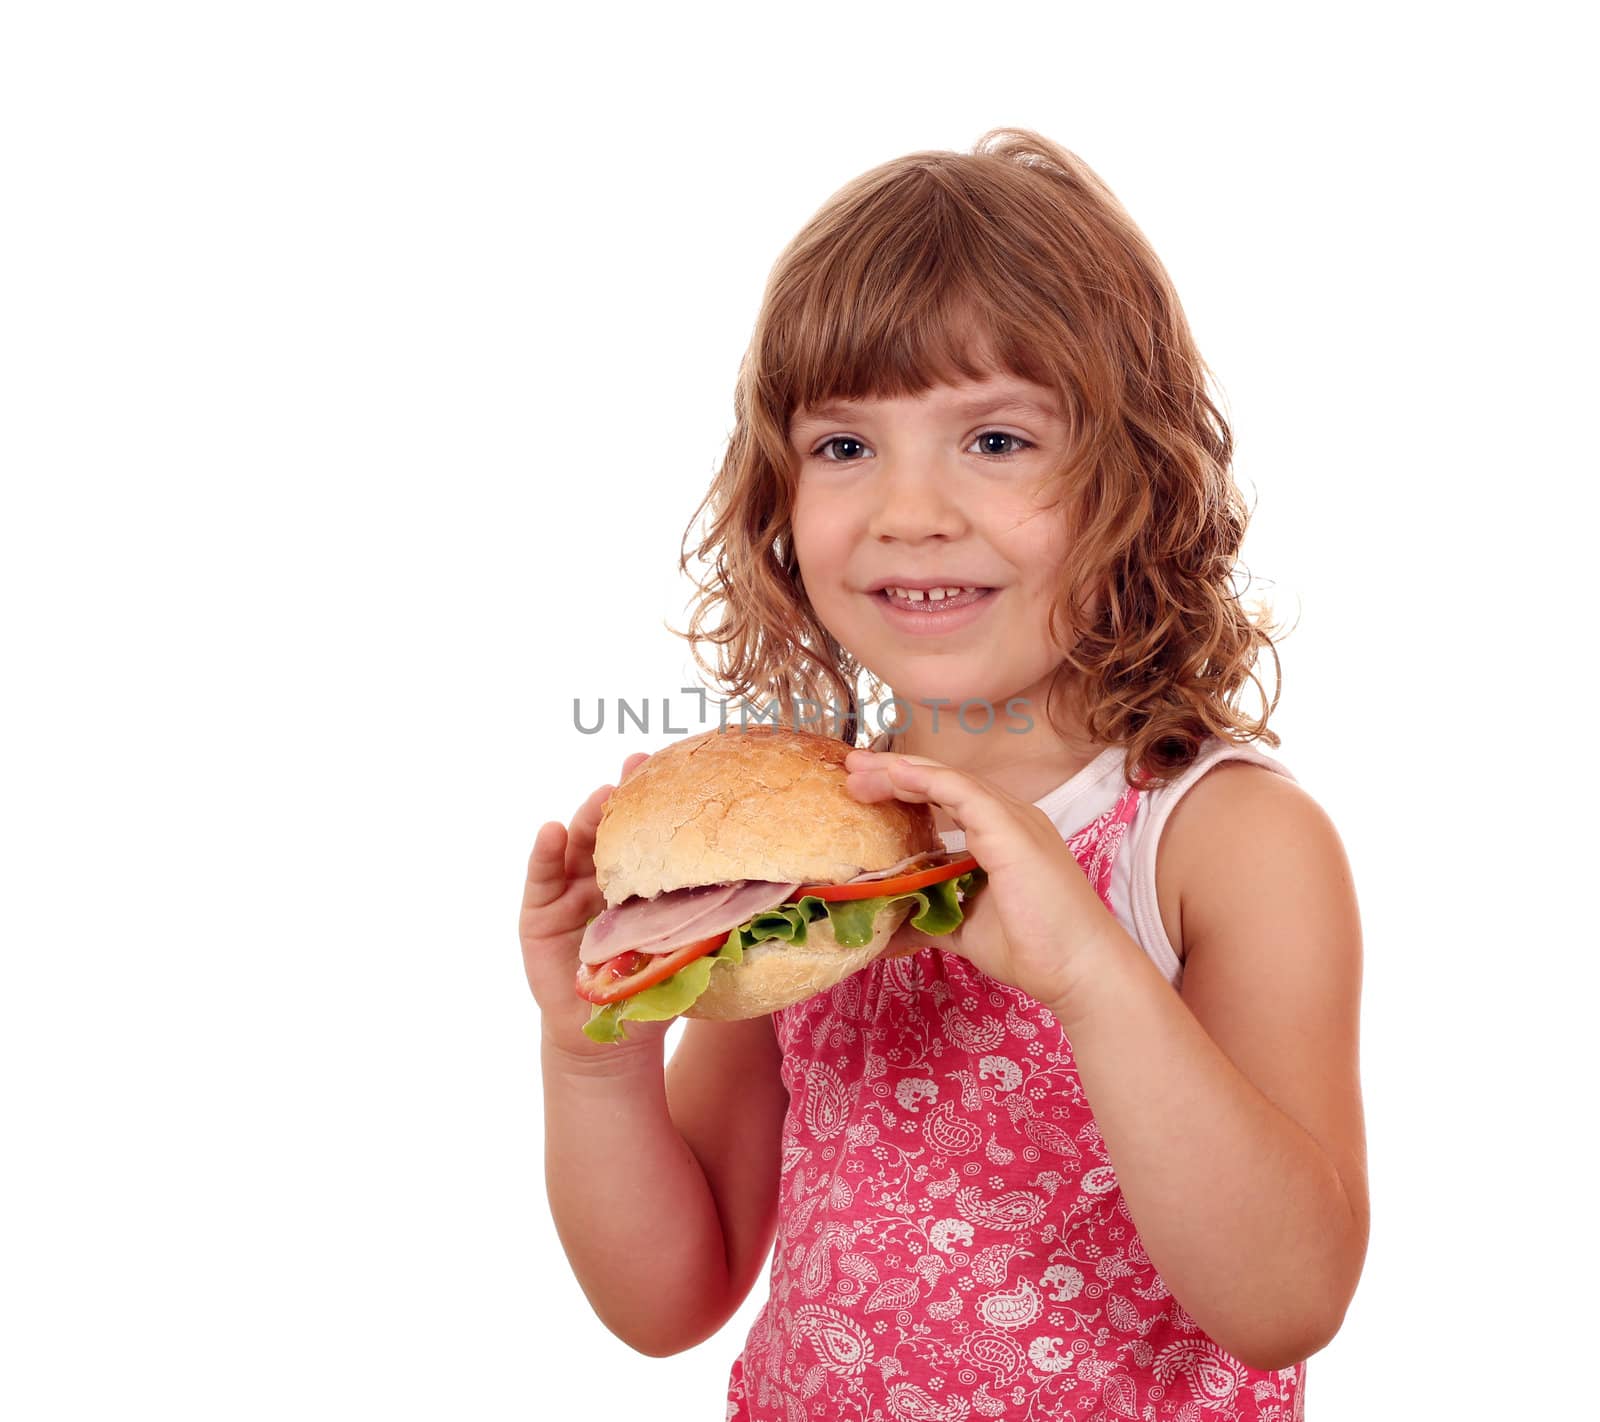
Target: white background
{"x":362,"y":366}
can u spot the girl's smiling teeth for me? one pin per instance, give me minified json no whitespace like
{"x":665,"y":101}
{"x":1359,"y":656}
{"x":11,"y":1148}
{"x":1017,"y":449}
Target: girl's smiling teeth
{"x":933,"y":599}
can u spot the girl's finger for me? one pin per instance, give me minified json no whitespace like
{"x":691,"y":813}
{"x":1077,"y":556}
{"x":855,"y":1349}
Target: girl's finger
{"x":968,"y":801}
{"x":907,"y":783}
{"x":632,"y":763}
{"x":985,"y":816}
{"x":863,"y":759}
{"x":870,"y":785}
{"x":546,"y":867}
{"x":580,"y":835}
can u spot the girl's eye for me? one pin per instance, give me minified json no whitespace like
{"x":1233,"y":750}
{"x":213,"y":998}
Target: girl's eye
{"x":1018,"y":443}
{"x":828,"y":444}
{"x":1016,"y":440}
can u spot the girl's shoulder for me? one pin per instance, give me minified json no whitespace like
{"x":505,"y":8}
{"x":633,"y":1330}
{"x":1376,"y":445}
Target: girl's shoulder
{"x":1215,"y":753}
{"x":1237,"y":826}
{"x":1225,"y":780}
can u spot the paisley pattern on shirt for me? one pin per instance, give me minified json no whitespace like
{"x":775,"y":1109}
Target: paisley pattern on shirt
{"x":952,"y":1242}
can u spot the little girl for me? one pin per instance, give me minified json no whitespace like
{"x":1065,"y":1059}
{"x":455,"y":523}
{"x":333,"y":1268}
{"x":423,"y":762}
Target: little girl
{"x":1099,"y":1154}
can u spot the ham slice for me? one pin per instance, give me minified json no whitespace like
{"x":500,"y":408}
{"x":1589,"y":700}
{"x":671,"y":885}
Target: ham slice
{"x":670,"y":921}
{"x":927,"y":859}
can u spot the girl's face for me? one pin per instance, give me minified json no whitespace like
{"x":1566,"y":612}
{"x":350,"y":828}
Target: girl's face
{"x":946,"y":490}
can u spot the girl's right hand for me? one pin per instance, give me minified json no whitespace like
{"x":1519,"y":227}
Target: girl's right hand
{"x":558,"y":900}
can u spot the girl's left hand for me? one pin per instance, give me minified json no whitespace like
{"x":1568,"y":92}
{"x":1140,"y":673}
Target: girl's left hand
{"x":1037,"y":923}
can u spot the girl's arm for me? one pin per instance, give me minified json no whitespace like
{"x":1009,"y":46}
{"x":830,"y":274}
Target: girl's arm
{"x":664,"y":1186}
{"x":1232,"y":1112}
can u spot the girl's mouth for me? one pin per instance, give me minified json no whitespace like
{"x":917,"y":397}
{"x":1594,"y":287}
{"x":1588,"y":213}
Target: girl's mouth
{"x":933,"y":611}
{"x":933,"y":599}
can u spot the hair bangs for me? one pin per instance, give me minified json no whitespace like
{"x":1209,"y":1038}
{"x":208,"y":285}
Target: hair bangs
{"x":909,"y":296}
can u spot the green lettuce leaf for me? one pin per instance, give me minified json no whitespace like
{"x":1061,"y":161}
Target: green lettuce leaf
{"x":937,"y":912}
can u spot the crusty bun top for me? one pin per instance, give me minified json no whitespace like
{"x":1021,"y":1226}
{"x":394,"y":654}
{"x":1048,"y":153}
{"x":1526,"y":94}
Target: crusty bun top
{"x":748,"y":802}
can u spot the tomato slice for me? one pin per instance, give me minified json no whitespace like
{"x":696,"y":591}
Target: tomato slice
{"x":873,"y":888}
{"x":632,"y":972}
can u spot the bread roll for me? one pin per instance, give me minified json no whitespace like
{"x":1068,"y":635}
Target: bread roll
{"x":757,"y":802}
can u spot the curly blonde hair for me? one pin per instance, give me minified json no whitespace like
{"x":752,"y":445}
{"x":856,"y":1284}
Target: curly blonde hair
{"x":936,"y":268}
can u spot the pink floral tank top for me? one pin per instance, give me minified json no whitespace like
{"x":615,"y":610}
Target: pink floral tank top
{"x":952,"y":1242}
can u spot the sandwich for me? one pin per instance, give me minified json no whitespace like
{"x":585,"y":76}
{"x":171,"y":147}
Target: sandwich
{"x":741,"y":876}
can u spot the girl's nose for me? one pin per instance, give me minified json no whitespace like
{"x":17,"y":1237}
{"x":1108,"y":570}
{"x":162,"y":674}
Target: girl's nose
{"x":913,"y":501}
